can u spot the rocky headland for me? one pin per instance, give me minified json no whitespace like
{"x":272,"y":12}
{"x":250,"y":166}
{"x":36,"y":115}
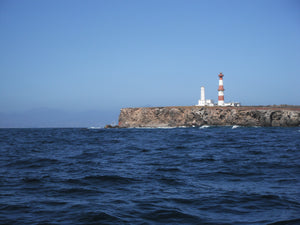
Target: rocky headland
{"x":188,"y":116}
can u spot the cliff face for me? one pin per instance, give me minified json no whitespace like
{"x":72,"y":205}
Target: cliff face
{"x":198,"y":116}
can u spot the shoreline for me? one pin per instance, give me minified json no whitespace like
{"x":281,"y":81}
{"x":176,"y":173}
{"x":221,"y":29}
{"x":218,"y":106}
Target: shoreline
{"x":189,"y":116}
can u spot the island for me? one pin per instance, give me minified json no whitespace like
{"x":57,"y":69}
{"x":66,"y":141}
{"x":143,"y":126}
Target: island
{"x":191,"y":116}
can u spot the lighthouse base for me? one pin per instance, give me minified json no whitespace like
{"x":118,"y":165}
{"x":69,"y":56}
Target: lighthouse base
{"x":207,"y":102}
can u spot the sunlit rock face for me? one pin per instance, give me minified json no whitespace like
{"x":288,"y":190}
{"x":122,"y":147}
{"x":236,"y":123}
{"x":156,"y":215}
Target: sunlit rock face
{"x":188,"y":116}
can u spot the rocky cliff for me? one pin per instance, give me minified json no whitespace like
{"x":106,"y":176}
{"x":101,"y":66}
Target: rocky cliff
{"x":197,"y":116}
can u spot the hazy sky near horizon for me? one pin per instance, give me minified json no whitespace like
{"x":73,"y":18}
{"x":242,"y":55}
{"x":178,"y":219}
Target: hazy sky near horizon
{"x":105,"y":55}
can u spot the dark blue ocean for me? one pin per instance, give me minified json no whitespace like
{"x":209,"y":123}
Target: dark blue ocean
{"x":214,"y":175}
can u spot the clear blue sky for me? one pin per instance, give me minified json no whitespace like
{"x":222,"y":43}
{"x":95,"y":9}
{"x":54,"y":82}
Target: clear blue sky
{"x":105,"y":55}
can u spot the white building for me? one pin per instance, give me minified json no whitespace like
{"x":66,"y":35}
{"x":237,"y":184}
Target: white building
{"x":203,"y":101}
{"x":232,"y":104}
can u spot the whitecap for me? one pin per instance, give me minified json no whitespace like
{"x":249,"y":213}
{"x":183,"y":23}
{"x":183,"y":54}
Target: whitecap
{"x":94,"y":128}
{"x":204,"y":126}
{"x":153,"y":127}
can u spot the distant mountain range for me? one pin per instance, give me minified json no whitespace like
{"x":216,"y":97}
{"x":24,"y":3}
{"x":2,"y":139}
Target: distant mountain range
{"x":44,"y":117}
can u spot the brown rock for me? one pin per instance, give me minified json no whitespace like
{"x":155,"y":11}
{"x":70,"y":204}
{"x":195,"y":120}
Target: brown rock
{"x":197,"y":116}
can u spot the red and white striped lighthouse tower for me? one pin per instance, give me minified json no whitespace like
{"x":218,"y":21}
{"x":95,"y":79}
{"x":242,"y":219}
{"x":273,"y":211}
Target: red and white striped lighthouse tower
{"x":221,"y":90}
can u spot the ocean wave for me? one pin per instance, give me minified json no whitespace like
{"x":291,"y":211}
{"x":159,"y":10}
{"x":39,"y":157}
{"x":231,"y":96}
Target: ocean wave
{"x":114,"y":179}
{"x":33,"y":162}
{"x":99,"y":218}
{"x":95,"y":128}
{"x":168,"y":169}
{"x":154,"y":127}
{"x":77,"y":190}
{"x":286,"y":222}
{"x":204,"y":126}
{"x":171,"y":215}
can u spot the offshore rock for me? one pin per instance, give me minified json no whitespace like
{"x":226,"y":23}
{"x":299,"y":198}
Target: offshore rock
{"x":188,"y":116}
{"x":111,"y":126}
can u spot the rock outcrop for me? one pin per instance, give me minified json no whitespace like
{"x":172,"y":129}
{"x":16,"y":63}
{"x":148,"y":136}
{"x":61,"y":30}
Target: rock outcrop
{"x":188,"y":116}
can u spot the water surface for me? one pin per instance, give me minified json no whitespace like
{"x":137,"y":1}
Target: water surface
{"x":214,"y":175}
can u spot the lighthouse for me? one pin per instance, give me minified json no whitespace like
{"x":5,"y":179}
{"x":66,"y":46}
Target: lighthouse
{"x":208,"y":102}
{"x":221,"y":91}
